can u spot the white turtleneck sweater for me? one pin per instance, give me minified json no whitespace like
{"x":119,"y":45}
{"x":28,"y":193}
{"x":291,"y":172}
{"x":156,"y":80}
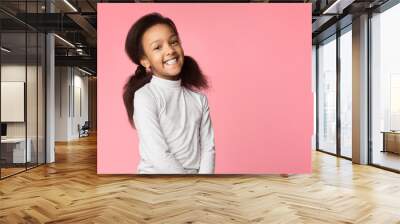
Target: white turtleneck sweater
{"x":174,"y":129}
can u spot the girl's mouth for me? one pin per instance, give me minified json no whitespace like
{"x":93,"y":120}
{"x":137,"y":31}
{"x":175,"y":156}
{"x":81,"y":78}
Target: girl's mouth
{"x":171,"y":61}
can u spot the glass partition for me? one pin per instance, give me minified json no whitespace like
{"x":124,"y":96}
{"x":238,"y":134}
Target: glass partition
{"x":13,"y":98}
{"x":31,"y":100}
{"x":22,"y":77}
{"x":41,"y":91}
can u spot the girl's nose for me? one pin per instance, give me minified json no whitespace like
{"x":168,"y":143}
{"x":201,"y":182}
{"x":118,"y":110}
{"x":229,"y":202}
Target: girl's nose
{"x":170,"y":49}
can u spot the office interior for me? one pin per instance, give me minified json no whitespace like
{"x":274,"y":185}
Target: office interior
{"x":48,"y":80}
{"x":355,"y":67}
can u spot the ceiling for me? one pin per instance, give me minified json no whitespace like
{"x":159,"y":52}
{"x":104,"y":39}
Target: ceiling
{"x":76,"y":22}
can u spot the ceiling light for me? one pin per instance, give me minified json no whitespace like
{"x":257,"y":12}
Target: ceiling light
{"x":84,"y":71}
{"x":338,"y":6}
{"x":70,"y":5}
{"x":5,"y":50}
{"x":64,"y":40}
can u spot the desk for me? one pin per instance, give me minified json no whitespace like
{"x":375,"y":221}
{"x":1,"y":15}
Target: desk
{"x":391,"y":141}
{"x":15,"y":148}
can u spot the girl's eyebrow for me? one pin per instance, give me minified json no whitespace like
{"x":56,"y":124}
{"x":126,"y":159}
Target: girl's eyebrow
{"x":154,"y":42}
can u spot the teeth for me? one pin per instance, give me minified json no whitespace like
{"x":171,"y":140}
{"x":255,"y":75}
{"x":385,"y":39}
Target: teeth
{"x":171,"y":61}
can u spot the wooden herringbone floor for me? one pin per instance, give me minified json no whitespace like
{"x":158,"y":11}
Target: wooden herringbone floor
{"x":69,"y":191}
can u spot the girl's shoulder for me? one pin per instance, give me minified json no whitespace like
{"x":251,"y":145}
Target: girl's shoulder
{"x":196,"y":93}
{"x":200,"y":96}
{"x":143,"y":92}
{"x":145,"y":95}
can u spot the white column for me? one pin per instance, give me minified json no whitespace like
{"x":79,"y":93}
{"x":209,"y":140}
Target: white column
{"x":50,"y":93}
{"x":314,"y":91}
{"x":360,"y":90}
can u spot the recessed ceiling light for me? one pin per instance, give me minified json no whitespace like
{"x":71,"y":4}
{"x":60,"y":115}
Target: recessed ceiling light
{"x":64,"y":40}
{"x":5,"y":50}
{"x":70,"y":5}
{"x":84,"y":71}
{"x":337,"y":7}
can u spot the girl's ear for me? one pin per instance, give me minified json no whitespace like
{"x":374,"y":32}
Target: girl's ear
{"x":145,"y":62}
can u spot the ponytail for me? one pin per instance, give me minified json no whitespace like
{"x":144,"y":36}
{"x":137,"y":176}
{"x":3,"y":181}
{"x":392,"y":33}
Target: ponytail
{"x":192,"y":76}
{"x":135,"y":82}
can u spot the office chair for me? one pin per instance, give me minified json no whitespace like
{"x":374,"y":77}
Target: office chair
{"x":84,"y":130}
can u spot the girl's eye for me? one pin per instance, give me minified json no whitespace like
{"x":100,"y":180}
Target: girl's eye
{"x":157,"y":48}
{"x":175,"y":42}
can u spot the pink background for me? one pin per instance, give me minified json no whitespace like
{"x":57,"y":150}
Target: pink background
{"x":257,"y":57}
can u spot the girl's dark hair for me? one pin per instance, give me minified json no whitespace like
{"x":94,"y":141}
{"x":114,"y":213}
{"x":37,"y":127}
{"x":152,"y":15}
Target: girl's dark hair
{"x":191,"y":76}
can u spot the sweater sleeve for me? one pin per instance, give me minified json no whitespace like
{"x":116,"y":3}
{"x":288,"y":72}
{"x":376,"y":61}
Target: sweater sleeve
{"x":151,"y":137}
{"x":207,"y":159}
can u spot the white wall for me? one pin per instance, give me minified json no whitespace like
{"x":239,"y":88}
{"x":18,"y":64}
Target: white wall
{"x":62,"y":81}
{"x":71,"y":93}
{"x":79,"y":110}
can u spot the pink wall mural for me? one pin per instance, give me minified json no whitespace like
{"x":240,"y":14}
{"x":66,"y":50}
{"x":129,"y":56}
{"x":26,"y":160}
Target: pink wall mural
{"x":257,"y":57}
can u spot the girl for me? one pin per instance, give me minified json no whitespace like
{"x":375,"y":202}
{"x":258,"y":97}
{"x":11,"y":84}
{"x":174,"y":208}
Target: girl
{"x":172,"y":119}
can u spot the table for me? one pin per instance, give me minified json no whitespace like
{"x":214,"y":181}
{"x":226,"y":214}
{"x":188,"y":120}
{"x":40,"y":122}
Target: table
{"x":391,"y":141}
{"x":15,"y":148}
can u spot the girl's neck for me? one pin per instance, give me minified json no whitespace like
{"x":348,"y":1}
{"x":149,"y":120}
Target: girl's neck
{"x":156,"y":80}
{"x":167,"y":77}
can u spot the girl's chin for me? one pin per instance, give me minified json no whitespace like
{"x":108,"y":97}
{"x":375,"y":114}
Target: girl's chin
{"x":172,"y":73}
{"x":173,"y":76}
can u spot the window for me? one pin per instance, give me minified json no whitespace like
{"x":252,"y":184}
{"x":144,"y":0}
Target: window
{"x":385,"y":88}
{"x":346,"y":92}
{"x":327,"y":95}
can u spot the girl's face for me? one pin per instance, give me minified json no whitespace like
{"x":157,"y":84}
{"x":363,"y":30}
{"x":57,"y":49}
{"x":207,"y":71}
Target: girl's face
{"x":163,"y":53}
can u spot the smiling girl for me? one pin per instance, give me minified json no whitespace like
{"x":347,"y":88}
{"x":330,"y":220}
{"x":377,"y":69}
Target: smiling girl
{"x":163,"y":103}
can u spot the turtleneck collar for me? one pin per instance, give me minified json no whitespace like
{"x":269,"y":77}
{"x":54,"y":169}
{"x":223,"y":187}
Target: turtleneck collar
{"x":165,"y":82}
